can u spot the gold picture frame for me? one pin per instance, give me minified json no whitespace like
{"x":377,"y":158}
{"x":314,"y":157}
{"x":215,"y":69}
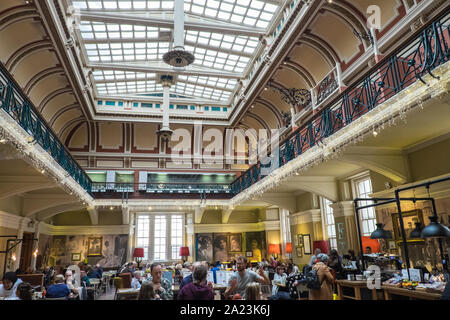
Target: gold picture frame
{"x":95,"y":246}
{"x":409,"y":218}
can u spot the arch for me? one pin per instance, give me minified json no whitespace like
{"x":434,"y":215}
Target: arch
{"x":27,"y":50}
{"x":53,"y":211}
{"x":351,"y":16}
{"x":68,"y":124}
{"x":300,"y":71}
{"x":322,"y":47}
{"x":15,"y":188}
{"x":259,"y":119}
{"x":52,"y":95}
{"x":41,"y":76}
{"x":17,"y":14}
{"x":53,"y":119}
{"x":272,"y":108}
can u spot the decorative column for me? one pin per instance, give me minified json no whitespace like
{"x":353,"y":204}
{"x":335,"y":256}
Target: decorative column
{"x":293,"y":125}
{"x":130,"y":239}
{"x":18,"y":250}
{"x":190,"y":236}
{"x":376,"y":51}
{"x":345,"y":223}
{"x":35,"y":245}
{"x":340,"y":81}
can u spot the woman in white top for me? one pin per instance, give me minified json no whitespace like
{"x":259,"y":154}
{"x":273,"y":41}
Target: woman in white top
{"x":9,"y":286}
{"x":279,"y":279}
{"x":136,"y":281}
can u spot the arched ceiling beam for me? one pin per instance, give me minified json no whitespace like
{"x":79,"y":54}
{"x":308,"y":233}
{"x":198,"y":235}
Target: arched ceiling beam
{"x":272,"y":109}
{"x":68,"y":124}
{"x":61,"y":111}
{"x":27,"y":50}
{"x":300,"y":71}
{"x":53,"y":95}
{"x":17,"y":14}
{"x":258,"y":119}
{"x":41,"y":76}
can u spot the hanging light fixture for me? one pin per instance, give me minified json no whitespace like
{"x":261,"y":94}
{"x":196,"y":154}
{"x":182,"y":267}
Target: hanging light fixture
{"x":435,"y":229}
{"x":417,"y":232}
{"x":380,"y":233}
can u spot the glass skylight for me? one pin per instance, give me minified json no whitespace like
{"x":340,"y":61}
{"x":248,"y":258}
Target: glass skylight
{"x":114,"y":42}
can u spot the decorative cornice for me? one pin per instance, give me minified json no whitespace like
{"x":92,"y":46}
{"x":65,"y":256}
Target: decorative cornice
{"x":237,"y":227}
{"x":307,"y":216}
{"x":343,"y":209}
{"x":89,"y":230}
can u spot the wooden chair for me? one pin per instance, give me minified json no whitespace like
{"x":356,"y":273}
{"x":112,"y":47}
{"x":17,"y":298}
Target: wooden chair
{"x":126,"y":280}
{"x":118,"y":284}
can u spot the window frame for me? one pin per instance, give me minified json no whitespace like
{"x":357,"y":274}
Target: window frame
{"x":356,"y":192}
{"x":323,"y":206}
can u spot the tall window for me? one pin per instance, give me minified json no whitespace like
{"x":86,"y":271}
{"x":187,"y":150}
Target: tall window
{"x":367,"y":215}
{"x":329,"y":223}
{"x":176,"y":233}
{"x":160,"y":238}
{"x":143,"y":234}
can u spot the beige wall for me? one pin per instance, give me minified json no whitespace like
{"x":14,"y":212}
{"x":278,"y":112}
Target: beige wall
{"x":430,"y":161}
{"x":72,"y":218}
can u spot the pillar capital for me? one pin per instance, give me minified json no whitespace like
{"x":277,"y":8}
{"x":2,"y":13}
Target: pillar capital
{"x":343,"y":209}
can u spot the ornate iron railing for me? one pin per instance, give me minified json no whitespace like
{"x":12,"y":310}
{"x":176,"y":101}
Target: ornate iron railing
{"x":396,"y":72}
{"x":14,"y":102}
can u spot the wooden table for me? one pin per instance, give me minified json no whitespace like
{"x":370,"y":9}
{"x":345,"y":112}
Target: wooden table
{"x":127,"y":294}
{"x":357,"y":286}
{"x":389,"y":291}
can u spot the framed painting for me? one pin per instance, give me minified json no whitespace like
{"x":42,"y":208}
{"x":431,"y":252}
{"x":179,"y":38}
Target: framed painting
{"x":307,"y":243}
{"x":95,"y":246}
{"x":409,"y":220}
{"x":298,"y":250}
{"x":76,"y":256}
{"x":235,"y":242}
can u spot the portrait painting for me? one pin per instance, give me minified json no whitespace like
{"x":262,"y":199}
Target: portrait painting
{"x":94,"y":246}
{"x":204,"y":243}
{"x":235,"y":242}
{"x":409,"y":220}
{"x":76,"y":256}
{"x":220,"y":247}
{"x":254,"y":245}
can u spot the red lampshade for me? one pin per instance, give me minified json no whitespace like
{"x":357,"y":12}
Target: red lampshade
{"x":289,"y":247}
{"x":138,"y":252}
{"x":274,"y":248}
{"x":372,"y":243}
{"x":184,"y":251}
{"x":322,"y":245}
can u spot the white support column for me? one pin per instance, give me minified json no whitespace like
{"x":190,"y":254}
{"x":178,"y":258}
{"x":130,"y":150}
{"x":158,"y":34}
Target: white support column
{"x":130,"y":242}
{"x":18,"y":250}
{"x":35,"y":245}
{"x":376,"y":50}
{"x":125,"y":214}
{"x":293,"y":125}
{"x":166,"y":106}
{"x":178,"y":30}
{"x":93,"y":215}
{"x":313,"y":98}
{"x":340,"y":81}
{"x":190,"y":235}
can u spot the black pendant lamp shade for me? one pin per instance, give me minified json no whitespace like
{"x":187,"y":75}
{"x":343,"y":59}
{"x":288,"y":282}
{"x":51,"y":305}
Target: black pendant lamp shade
{"x":380,"y":233}
{"x":417,"y":232}
{"x":435,"y":229}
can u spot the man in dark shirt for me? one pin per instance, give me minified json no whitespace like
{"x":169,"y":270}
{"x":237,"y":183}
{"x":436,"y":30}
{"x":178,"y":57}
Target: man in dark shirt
{"x":59,"y":289}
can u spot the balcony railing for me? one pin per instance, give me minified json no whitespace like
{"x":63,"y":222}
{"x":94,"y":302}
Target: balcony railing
{"x":410,"y":63}
{"x":21,"y":110}
{"x":161,"y":187}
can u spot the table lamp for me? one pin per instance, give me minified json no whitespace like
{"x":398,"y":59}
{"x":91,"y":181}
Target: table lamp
{"x":184,"y":252}
{"x":274,"y":249}
{"x":139,"y":254}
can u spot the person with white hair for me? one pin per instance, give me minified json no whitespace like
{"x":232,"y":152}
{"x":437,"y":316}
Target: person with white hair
{"x":325,"y":278}
{"x":137,"y":280}
{"x":70,"y":282}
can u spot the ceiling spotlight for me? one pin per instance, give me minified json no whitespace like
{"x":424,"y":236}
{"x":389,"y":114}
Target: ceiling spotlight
{"x":265,"y":89}
{"x":149,"y":208}
{"x":2,"y":140}
{"x":253,"y":106}
{"x":43,"y":171}
{"x":375,"y":133}
{"x":111,"y":208}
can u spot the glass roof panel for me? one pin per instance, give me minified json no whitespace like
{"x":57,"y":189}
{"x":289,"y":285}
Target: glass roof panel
{"x":215,"y":49}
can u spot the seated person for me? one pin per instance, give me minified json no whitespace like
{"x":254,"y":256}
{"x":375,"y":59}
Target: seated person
{"x":280,"y":291}
{"x":9,"y":287}
{"x":84,"y":278}
{"x":197,"y":289}
{"x":24,"y":291}
{"x":137,"y":280}
{"x":59,"y":289}
{"x":69,"y":281}
{"x":162,"y":286}
{"x":48,"y":276}
{"x":253,"y":291}
{"x":147,"y":292}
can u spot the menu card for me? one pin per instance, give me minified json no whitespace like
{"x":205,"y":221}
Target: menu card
{"x":210,"y":277}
